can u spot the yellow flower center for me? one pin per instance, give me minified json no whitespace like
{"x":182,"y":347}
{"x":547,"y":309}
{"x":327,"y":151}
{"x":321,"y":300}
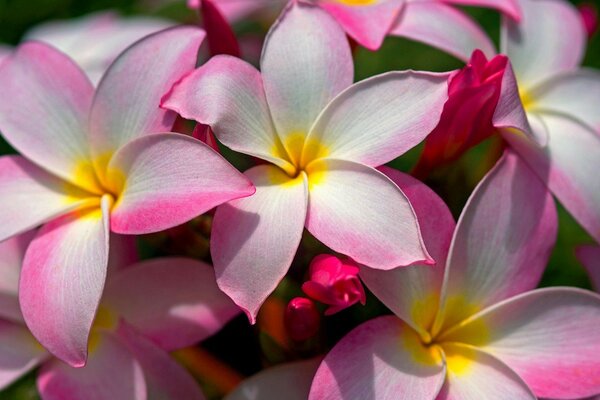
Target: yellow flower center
{"x":303,"y":154}
{"x":357,"y":2}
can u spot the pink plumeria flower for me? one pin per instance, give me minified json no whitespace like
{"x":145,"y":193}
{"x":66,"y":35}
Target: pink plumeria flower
{"x":474,"y":326}
{"x":131,"y":335}
{"x":290,"y":381}
{"x":334,"y":282}
{"x":94,"y":41}
{"x":95,"y":162}
{"x":590,"y":258}
{"x":323,"y":137}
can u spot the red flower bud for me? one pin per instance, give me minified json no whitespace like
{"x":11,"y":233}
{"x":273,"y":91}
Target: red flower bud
{"x":302,"y":319}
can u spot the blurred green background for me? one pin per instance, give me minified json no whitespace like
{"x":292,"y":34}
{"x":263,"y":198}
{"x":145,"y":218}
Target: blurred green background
{"x":238,"y":344}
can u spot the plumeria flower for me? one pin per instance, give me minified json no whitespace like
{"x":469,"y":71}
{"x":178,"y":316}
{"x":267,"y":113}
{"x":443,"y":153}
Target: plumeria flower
{"x":322,"y":137}
{"x":95,"y":162}
{"x":590,"y":258}
{"x":334,"y":282}
{"x":131,"y":335}
{"x":478,"y":328}
{"x":290,"y":381}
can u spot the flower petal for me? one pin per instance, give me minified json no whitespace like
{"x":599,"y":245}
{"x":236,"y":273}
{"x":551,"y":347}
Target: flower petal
{"x":369,"y":23}
{"x":358,"y":211}
{"x":254,"y":239}
{"x":29,"y":196}
{"x":575,"y":94}
{"x":568,"y":165}
{"x":508,"y":7}
{"x":126,"y":104}
{"x":549,"y":337}
{"x":442,"y":26}
{"x":380,"y":359}
{"x":12,"y":252}
{"x":550,"y":38}
{"x":168,"y":179}
{"x":502,"y":242}
{"x":474,"y":375}
{"x":110,"y":373}
{"x":165,"y":378}
{"x":412,"y":293}
{"x":290,"y":381}
{"x":380,"y":118}
{"x":227,"y":94}
{"x":62,"y":280}
{"x":186,"y":305}
{"x":39,"y":81}
{"x":589,"y":256}
{"x":301,"y":79}
{"x":19,"y":352}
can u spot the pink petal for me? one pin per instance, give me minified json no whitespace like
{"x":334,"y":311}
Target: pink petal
{"x":238,"y":9}
{"x":380,"y":359}
{"x":219,"y":34}
{"x":186,"y":305}
{"x":380,"y":118}
{"x":39,"y":81}
{"x":508,"y":7}
{"x":367,"y":24}
{"x":549,"y":39}
{"x":227,"y":94}
{"x":169,"y":179}
{"x":29,"y":196}
{"x":589,"y":256}
{"x":412,"y":293}
{"x":474,"y":375}
{"x":502,"y":243}
{"x":12,"y":252}
{"x":5,"y":51}
{"x":19,"y":352}
{"x":290,"y":381}
{"x":111,"y":372}
{"x":62,"y":280}
{"x":300,"y":79}
{"x":575,"y":94}
{"x":126,"y":104}
{"x":165,"y":378}
{"x":549,"y":336}
{"x":442,"y":26}
{"x":357,"y":211}
{"x":254,"y":239}
{"x":568,"y":165}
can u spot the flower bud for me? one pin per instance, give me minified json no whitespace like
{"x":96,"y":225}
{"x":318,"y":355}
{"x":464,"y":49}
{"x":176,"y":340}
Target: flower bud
{"x":589,"y":14}
{"x":302,"y":319}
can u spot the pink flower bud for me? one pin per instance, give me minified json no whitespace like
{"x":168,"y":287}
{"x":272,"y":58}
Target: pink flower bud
{"x":589,"y":14}
{"x":302,"y":319}
{"x":334,"y":282}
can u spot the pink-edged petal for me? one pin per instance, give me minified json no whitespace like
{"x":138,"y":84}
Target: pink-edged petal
{"x":290,"y":381}
{"x":235,"y":10}
{"x":219,"y":34}
{"x":550,"y":38}
{"x":300,"y":79}
{"x":380,"y":359}
{"x":502,"y":242}
{"x":510,"y":112}
{"x":40,"y":81}
{"x":166,"y":179}
{"x":19,"y":352}
{"x":254,"y":240}
{"x":12,"y":252}
{"x":412,"y":293}
{"x":442,"y":26}
{"x":549,"y":337}
{"x":227,"y":94}
{"x":358,"y":211}
{"x":30,"y":196}
{"x":111,"y":372}
{"x":62,"y":281}
{"x":165,"y":378}
{"x":369,"y":23}
{"x":589,"y":256}
{"x":508,"y":7}
{"x":126,"y":104}
{"x":575,"y":94}
{"x":568,"y":164}
{"x":475,"y":375}
{"x":380,"y":118}
{"x":186,"y":305}
{"x":5,"y":51}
